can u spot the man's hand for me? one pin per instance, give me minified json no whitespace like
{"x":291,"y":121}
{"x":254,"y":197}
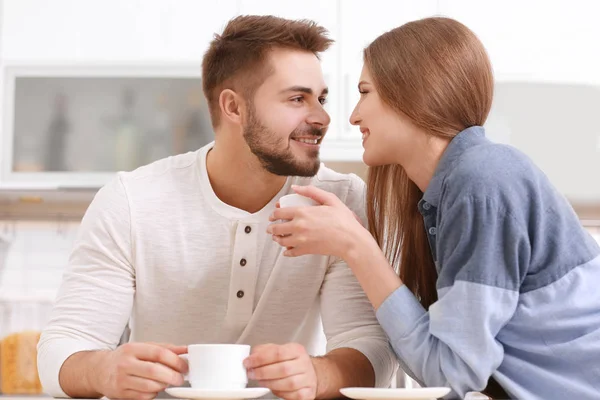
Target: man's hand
{"x":287,"y":370}
{"x":139,"y":370}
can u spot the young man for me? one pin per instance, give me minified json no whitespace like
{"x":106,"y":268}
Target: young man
{"x":179,"y":251}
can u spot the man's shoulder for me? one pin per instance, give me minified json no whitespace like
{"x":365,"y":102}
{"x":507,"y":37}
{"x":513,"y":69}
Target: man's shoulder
{"x":154,"y":183}
{"x":164,"y":167}
{"x":349,"y":188}
{"x":162,"y":177}
{"x":345,"y":186}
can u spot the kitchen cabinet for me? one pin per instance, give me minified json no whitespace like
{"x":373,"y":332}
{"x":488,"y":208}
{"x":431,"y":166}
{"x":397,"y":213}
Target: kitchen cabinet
{"x":541,"y":41}
{"x":111,"y":30}
{"x":89,"y":88}
{"x":543,"y":51}
{"x":74,"y":126}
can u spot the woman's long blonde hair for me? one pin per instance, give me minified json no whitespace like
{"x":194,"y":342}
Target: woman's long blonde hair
{"x":437,"y":73}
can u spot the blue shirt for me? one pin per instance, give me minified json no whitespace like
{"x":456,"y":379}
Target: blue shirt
{"x":518,"y":282}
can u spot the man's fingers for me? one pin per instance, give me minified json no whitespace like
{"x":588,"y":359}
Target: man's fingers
{"x":157,"y":372}
{"x":162,"y":355}
{"x":276,"y":371}
{"x":174,"y":348}
{"x":178,"y":349}
{"x":287,"y":384}
{"x":145,"y":385}
{"x":271,"y":354}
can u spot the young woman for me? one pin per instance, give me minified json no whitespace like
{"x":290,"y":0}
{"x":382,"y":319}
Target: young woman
{"x":497,"y":284}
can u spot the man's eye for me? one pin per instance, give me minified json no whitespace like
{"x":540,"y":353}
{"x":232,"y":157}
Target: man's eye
{"x":297,"y":99}
{"x":323,"y":100}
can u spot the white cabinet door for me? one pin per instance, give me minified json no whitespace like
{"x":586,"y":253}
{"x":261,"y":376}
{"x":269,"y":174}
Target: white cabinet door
{"x":361,"y":24}
{"x":111,"y":30}
{"x":56,"y":56}
{"x":543,"y":41}
{"x":325,"y":13}
{"x":75,"y":126}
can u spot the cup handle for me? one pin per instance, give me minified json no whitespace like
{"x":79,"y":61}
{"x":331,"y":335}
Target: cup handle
{"x":186,"y":377}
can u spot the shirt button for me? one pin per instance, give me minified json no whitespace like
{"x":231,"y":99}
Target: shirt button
{"x":432,"y":230}
{"x":248,"y":229}
{"x":240,"y":294}
{"x":243,"y":262}
{"x":426,"y":206}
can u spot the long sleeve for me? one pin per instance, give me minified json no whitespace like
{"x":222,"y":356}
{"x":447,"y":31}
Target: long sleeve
{"x":95,"y":299}
{"x":349,"y":322}
{"x":348,"y":317}
{"x":481,"y":254}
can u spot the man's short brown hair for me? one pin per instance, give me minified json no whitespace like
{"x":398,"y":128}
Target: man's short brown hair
{"x":236,"y":58}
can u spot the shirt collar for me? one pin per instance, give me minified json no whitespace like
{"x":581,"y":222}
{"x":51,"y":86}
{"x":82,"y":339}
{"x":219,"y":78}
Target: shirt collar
{"x":464,"y":140}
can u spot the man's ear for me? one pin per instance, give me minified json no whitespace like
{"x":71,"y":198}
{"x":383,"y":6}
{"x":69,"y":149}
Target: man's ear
{"x":232,"y":106}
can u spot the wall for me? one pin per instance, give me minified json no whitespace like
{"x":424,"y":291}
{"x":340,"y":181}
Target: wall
{"x":37,"y":255}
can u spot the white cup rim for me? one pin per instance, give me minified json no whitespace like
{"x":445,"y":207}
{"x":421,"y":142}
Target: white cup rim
{"x":304,"y":200}
{"x":294,"y":195}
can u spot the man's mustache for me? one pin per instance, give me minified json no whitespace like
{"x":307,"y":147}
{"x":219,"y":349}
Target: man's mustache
{"x":307,"y":132}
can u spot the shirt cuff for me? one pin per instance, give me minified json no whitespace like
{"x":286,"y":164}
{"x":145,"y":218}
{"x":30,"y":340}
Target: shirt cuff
{"x":400,"y":313}
{"x":51,"y":356}
{"x":373,"y":344}
{"x":382,"y":359}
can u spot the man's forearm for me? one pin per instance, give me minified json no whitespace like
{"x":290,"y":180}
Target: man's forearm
{"x":76,"y":374}
{"x":342,"y":368}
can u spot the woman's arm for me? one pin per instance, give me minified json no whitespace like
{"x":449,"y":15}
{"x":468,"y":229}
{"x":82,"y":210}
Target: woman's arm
{"x":481,"y":254}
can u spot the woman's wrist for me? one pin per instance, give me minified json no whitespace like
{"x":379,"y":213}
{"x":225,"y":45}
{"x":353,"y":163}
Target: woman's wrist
{"x":372,"y":269}
{"x":361,"y":243}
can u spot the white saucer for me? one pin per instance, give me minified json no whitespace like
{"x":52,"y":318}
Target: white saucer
{"x":223,"y":394}
{"x":381,"y":394}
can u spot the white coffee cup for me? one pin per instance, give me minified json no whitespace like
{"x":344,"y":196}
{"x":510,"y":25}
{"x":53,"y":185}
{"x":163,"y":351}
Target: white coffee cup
{"x":217,"y":366}
{"x":296,"y":200}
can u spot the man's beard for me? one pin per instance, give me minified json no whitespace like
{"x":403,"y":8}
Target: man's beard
{"x":274,"y":155}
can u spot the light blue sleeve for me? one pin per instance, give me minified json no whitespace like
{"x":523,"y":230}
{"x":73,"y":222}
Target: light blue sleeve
{"x":482,"y":253}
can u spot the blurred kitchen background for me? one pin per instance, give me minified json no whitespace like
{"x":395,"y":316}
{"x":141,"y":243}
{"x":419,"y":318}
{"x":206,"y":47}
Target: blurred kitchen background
{"x":90,"y":87}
